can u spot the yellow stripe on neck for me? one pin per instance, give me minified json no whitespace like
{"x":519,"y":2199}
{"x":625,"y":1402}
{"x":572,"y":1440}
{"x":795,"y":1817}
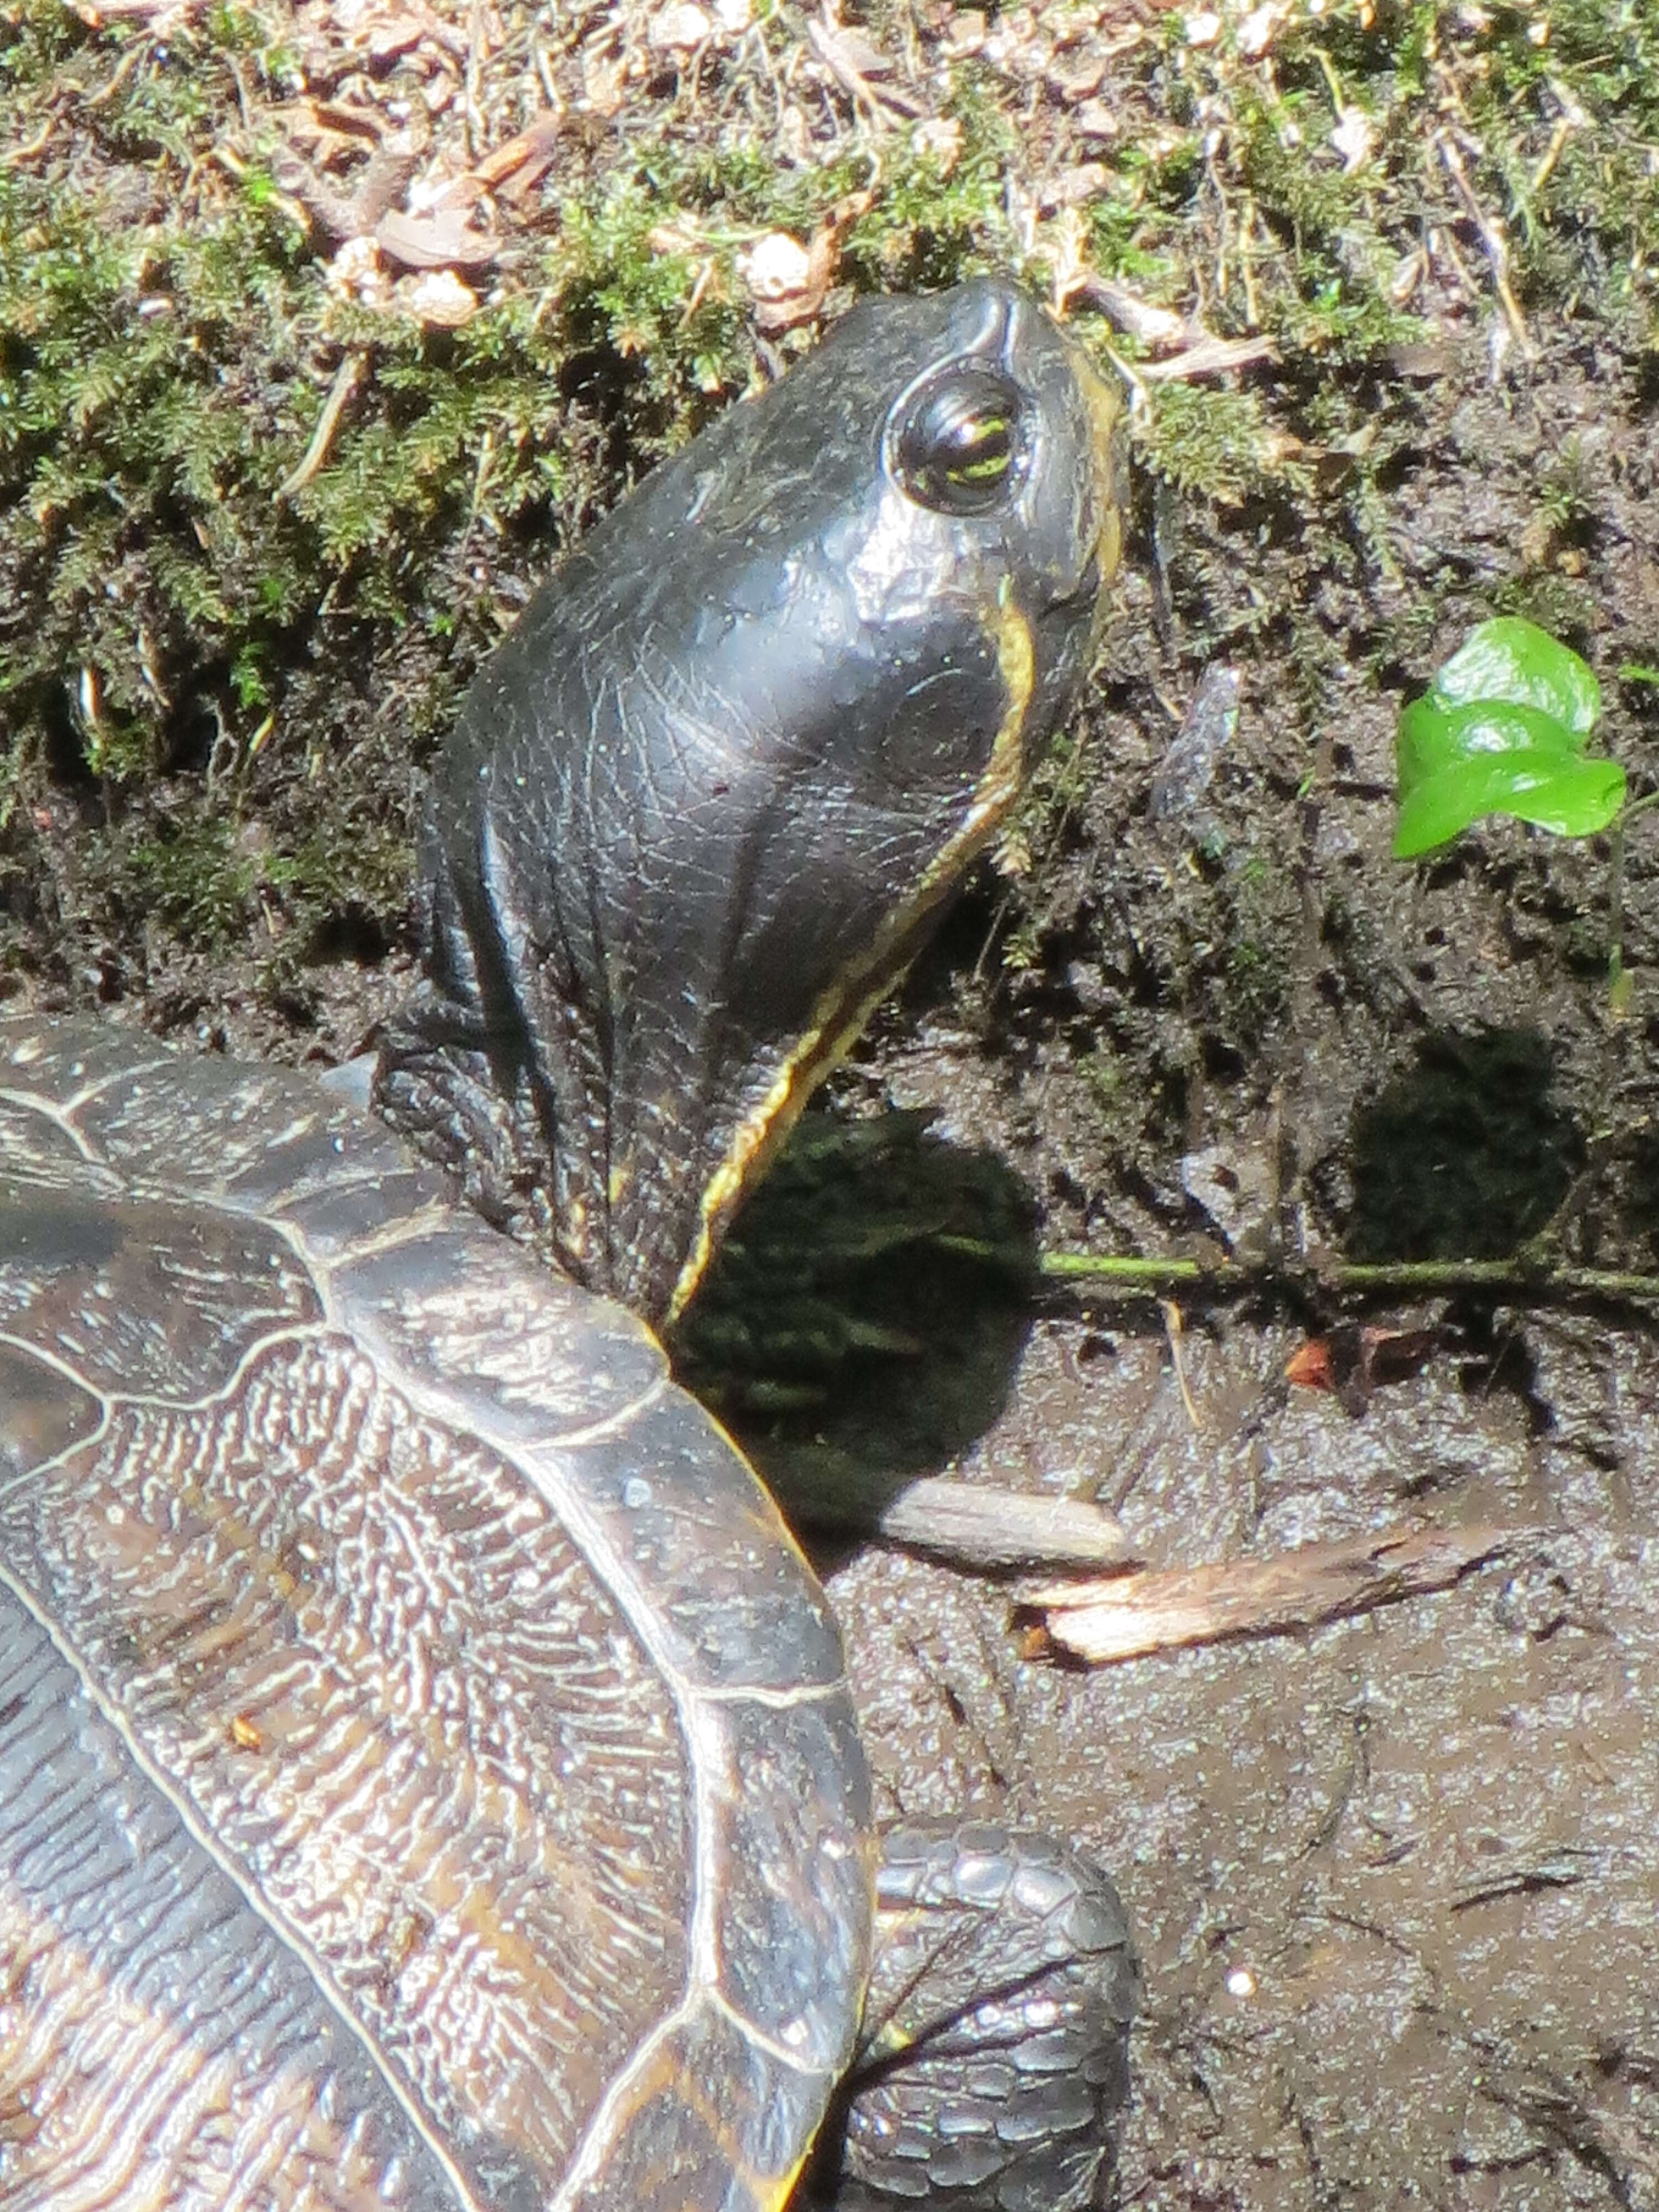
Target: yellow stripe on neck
{"x":847,"y":1005}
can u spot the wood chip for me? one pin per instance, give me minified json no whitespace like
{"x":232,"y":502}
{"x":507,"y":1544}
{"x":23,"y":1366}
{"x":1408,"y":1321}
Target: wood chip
{"x":438,"y":298}
{"x":1168,"y":1609}
{"x":788,"y":281}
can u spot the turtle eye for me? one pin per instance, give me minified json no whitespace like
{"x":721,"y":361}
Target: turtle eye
{"x":960,"y":445}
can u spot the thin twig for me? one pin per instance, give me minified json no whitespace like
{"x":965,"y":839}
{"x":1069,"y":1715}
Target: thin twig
{"x":1210,"y":357}
{"x":1519,"y":1274}
{"x":1494,"y":243}
{"x":139,"y":51}
{"x":1172,"y":1337}
{"x":27,"y":149}
{"x":345,"y":383}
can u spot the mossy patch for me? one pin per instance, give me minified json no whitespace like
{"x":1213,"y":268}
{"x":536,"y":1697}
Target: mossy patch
{"x":202,"y":637}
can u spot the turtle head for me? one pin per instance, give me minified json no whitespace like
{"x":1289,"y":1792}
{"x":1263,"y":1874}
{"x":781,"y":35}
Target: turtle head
{"x":704,"y":804}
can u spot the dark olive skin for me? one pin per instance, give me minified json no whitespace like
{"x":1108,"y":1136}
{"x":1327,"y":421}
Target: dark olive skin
{"x":705,"y":801}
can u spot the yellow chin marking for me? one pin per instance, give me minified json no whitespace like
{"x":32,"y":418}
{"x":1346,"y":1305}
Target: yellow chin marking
{"x":844,"y":1008}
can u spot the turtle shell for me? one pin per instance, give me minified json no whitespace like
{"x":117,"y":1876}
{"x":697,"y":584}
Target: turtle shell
{"x":426,"y":1774}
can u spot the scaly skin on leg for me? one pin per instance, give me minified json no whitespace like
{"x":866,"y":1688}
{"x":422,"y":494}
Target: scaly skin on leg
{"x":996,"y":2058}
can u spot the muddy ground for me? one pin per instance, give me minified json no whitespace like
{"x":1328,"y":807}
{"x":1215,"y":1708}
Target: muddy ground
{"x":1395,"y":1880}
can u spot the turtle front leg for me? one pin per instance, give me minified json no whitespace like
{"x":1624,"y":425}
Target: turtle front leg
{"x":994,"y":2061}
{"x":452,"y":1073}
{"x":438,"y":1083}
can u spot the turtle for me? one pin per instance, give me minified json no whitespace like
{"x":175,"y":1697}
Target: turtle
{"x":427,"y":1771}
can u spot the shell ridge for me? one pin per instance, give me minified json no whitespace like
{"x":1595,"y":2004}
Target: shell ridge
{"x":774,"y":2046}
{"x":298,"y":1333}
{"x":60,"y":1117}
{"x":601,"y":2132}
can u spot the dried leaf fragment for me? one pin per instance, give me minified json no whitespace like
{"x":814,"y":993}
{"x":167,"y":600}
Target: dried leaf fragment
{"x":862,"y":69}
{"x":446,"y":241}
{"x":513,"y":168}
{"x":1356,"y":1359}
{"x":1159,"y":329}
{"x":390,"y":41}
{"x":789,"y":281}
{"x":1309,"y":1366}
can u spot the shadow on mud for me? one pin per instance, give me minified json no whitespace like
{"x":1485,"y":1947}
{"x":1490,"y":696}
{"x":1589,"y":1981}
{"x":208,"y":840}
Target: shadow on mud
{"x":864,"y":1320}
{"x":1466,"y":1156}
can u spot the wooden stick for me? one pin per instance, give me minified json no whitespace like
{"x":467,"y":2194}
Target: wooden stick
{"x":993,"y":1529}
{"x":1166,"y":1610}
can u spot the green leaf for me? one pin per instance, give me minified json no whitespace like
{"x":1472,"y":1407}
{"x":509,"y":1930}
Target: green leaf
{"x":1510,"y":659}
{"x":1501,"y":729}
{"x":1432,"y":737}
{"x":1574,"y":800}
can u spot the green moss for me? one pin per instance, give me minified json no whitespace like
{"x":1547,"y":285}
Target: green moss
{"x":1566,"y":495}
{"x":198,"y":881}
{"x":1261,"y":961}
{"x":932,"y":223}
{"x":1569,"y":175}
{"x":1220,"y":443}
{"x":1563,"y":605}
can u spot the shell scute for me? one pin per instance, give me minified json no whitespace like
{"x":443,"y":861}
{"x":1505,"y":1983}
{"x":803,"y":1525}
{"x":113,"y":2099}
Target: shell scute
{"x":460,"y":1315}
{"x":791,"y":1810}
{"x":143,"y":1296}
{"x":737,"y":1609}
{"x":245,"y":1135}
